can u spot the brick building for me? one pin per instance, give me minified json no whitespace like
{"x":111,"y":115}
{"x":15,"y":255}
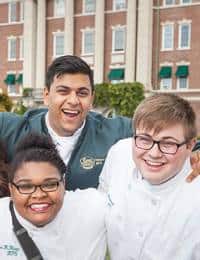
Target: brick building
{"x":155,"y":42}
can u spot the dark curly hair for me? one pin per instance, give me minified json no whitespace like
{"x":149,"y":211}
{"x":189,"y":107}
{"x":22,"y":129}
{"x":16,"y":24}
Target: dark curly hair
{"x":4,"y":190}
{"x":36,"y":148}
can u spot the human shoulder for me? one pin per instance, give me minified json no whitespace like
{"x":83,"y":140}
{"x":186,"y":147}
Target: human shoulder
{"x":88,"y":198}
{"x":119,"y":125}
{"x":4,"y":207}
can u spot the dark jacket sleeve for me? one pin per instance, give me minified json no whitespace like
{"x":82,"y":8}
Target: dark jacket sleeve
{"x":197,"y":146}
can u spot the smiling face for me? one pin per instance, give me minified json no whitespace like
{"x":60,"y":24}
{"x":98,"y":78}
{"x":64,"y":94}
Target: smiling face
{"x":69,"y":99}
{"x":155,"y":166}
{"x":40,"y":207}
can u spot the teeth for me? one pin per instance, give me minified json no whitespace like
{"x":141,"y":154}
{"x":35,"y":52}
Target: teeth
{"x":71,"y":112}
{"x":39,"y":206}
{"x":154,"y":163}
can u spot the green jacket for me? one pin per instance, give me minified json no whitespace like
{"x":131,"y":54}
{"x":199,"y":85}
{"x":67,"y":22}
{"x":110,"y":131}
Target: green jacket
{"x":88,"y":156}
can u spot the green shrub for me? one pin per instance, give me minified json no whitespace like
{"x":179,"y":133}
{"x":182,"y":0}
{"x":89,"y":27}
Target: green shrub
{"x":101,"y":95}
{"x":123,"y":98}
{"x":27,"y":92}
{"x":20,"y":108}
{"x":5,"y":102}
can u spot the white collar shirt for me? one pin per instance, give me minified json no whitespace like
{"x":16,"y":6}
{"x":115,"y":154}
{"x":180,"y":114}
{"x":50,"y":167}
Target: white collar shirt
{"x":148,"y":222}
{"x":64,"y":144}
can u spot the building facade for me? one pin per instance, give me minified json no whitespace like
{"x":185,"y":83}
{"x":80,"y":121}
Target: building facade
{"x":155,"y":42}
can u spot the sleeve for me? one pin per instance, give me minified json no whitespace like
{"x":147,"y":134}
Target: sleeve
{"x":197,"y":146}
{"x":190,"y":245}
{"x":107,"y":171}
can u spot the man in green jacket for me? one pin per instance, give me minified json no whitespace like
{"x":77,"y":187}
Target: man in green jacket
{"x":82,"y":138}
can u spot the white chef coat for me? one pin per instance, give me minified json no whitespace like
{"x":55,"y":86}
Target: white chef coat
{"x":77,"y":233}
{"x":149,"y":222}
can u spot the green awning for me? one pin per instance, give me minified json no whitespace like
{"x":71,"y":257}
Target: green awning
{"x":19,"y":79}
{"x":10,"y":79}
{"x":165,"y":72}
{"x":182,"y":71}
{"x":116,"y":74}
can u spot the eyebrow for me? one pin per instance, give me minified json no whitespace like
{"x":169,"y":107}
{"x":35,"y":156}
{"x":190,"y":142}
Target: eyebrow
{"x":68,"y":87}
{"x":163,"y":138}
{"x":30,"y":180}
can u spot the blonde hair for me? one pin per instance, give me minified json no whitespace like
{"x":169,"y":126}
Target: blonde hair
{"x":163,"y":110}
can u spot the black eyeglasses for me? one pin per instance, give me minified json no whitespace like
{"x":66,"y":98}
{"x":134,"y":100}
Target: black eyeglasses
{"x":28,"y":188}
{"x":146,"y":143}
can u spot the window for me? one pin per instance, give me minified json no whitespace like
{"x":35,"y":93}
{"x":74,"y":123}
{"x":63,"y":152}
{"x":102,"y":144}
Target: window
{"x":88,"y":42}
{"x":22,"y":11}
{"x":89,"y":6}
{"x":10,"y":82}
{"x":182,"y":83}
{"x":12,"y":12}
{"x":58,"y":44}
{"x":12,"y":49}
{"x":166,"y":84}
{"x":59,"y":8}
{"x":182,"y":73}
{"x":184,"y":35}
{"x":21,"y":48}
{"x":118,"y":37}
{"x":12,"y":90}
{"x":168,"y":2}
{"x":185,"y":1}
{"x":167,"y":37}
{"x":119,"y":4}
{"x":165,"y":75}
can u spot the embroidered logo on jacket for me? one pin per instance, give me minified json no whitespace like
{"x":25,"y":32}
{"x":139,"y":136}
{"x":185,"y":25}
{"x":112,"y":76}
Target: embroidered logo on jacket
{"x":10,"y":250}
{"x":88,"y":163}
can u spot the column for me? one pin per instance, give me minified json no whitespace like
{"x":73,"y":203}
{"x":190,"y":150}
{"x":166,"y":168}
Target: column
{"x":130,"y":41}
{"x":29,"y":43}
{"x":99,"y":42}
{"x":144,"y":43}
{"x":69,"y":27}
{"x":41,"y":45}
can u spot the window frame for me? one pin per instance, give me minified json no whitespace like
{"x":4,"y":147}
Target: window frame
{"x":21,"y":47}
{"x":115,"y":2}
{"x":10,"y":93}
{"x":165,"y":3}
{"x":84,"y":8}
{"x":114,"y":31}
{"x":10,"y":6}
{"x":163,"y":48}
{"x":178,"y":83}
{"x":162,"y":85}
{"x":84,"y":32}
{"x":181,"y":24}
{"x":55,"y":35}
{"x":56,"y":12}
{"x":181,"y":2}
{"x":10,"y":39}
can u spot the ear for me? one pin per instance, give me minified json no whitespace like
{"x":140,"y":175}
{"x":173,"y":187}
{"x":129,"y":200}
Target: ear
{"x":92,"y":100}
{"x":46,"y":96}
{"x":191,"y":144}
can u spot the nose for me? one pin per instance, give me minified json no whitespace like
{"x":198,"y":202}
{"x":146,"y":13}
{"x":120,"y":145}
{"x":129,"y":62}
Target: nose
{"x":39,"y":192}
{"x":73,"y":98}
{"x":155,"y":151}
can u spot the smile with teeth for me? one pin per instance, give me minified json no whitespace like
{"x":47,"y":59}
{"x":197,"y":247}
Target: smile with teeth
{"x":154,"y":164}
{"x":41,"y":207}
{"x":69,"y":112}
